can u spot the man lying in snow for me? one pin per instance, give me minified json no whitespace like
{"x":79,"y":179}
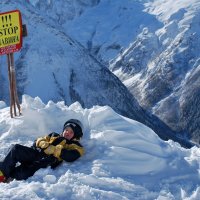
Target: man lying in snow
{"x":46,"y":151}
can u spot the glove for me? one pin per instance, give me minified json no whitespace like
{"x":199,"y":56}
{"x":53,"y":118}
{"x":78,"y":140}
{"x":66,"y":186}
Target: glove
{"x":42,"y":143}
{"x":54,"y":150}
{"x":50,"y":150}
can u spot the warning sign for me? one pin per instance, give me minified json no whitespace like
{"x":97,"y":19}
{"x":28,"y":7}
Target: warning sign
{"x":10,"y":32}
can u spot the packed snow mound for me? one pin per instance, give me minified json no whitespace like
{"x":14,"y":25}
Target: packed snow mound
{"x":122,"y":157}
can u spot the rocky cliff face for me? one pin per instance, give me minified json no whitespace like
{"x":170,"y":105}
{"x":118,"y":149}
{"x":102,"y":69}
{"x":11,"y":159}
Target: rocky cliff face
{"x":161,"y":68}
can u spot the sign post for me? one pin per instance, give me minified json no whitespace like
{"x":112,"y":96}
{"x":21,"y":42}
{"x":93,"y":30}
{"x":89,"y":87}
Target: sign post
{"x":10,"y":42}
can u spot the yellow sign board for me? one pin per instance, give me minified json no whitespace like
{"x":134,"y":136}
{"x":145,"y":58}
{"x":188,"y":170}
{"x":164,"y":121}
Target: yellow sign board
{"x":10,"y":32}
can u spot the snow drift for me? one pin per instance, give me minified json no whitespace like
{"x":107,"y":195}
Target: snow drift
{"x":124,"y":159}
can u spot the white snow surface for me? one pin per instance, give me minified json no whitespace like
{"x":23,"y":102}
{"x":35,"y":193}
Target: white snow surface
{"x":123,"y":158}
{"x":164,"y":9}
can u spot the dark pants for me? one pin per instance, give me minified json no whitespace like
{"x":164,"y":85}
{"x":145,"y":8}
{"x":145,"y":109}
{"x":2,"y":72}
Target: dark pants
{"x":28,"y":161}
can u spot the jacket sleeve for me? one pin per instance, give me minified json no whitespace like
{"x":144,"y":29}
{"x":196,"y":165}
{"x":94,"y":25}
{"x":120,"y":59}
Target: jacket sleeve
{"x":45,"y":138}
{"x":69,"y":155}
{"x":72,"y":152}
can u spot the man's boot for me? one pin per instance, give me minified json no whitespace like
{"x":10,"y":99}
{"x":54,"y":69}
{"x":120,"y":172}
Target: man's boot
{"x":2,"y":177}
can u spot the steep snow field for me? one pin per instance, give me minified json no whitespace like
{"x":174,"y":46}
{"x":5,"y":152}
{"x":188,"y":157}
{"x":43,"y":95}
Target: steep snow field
{"x":123,"y":160}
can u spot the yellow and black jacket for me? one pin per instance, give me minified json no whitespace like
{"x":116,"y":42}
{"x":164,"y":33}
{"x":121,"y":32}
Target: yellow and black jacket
{"x":63,"y":149}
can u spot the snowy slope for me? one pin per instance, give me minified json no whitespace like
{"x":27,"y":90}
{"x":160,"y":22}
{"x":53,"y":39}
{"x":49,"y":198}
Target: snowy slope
{"x":104,"y":27}
{"x":124,"y":159}
{"x":55,"y":67}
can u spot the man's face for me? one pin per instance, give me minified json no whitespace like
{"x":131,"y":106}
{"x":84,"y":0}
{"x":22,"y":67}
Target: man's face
{"x":68,"y":133}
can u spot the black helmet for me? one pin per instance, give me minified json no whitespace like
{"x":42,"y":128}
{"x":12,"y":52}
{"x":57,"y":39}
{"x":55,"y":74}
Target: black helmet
{"x":76,"y":127}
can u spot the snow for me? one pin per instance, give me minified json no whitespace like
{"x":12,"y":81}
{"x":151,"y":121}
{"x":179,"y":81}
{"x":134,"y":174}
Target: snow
{"x":165,"y":9}
{"x":124,"y":159}
{"x":109,"y":26}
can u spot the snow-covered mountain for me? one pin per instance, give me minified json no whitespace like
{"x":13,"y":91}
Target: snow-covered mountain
{"x":69,"y":45}
{"x":151,"y":45}
{"x":123,"y":159}
{"x":161,"y":68}
{"x":56,"y":67}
